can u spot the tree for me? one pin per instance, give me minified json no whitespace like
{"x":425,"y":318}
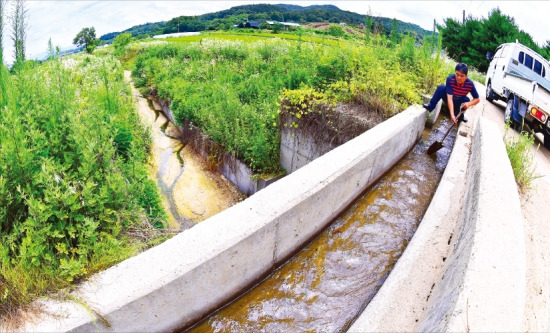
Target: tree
{"x":120,"y":43}
{"x":393,"y":32}
{"x":51,"y":50}
{"x":276,"y":28}
{"x":470,"y":42}
{"x":2,"y":8}
{"x":86,"y":37}
{"x":546,"y":49}
{"x":369,"y":23}
{"x":122,"y":40}
{"x":19,"y":30}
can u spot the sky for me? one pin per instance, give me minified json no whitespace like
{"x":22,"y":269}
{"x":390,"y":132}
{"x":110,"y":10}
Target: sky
{"x":62,"y":20}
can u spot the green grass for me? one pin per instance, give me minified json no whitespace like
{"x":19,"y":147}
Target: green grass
{"x":473,"y":74}
{"x":74,"y":186}
{"x":231,"y":84}
{"x":521,"y":158}
{"x":199,"y":38}
{"x":254,"y":37}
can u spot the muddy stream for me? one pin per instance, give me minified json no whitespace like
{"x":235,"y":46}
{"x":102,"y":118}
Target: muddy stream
{"x":190,"y":192}
{"x":328,"y":283}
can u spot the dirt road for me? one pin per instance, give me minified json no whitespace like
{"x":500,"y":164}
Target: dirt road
{"x":535,"y":207}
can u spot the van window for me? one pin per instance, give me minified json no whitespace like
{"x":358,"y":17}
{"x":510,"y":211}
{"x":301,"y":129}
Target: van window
{"x":521,"y":57}
{"x":528,"y":61}
{"x":538,"y":67}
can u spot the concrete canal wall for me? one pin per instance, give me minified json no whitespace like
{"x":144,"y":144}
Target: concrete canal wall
{"x":223,"y":162}
{"x":173,"y":284}
{"x":464,"y":269}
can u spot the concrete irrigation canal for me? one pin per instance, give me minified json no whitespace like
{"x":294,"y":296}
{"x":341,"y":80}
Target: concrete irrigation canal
{"x":326,"y":285}
{"x":365,"y":268}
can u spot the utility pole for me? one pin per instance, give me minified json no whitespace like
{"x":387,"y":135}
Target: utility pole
{"x":463,"y":16}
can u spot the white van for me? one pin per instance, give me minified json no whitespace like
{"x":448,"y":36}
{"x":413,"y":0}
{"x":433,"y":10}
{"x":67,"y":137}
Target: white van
{"x":520,"y":77}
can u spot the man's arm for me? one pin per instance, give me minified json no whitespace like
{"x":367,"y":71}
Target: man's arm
{"x":474,"y":94}
{"x":451,"y":107}
{"x":472,"y":103}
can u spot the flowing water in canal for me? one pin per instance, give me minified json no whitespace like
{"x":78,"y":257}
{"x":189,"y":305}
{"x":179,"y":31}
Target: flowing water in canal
{"x":328,"y":283}
{"x":190,"y":192}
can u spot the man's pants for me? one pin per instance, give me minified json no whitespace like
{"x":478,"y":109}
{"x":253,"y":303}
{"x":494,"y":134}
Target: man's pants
{"x":441,"y":93}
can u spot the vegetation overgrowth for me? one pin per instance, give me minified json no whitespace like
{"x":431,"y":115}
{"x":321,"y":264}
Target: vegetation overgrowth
{"x":232,"y":89}
{"x":74,"y":187}
{"x":521,"y":158}
{"x":75,"y":196}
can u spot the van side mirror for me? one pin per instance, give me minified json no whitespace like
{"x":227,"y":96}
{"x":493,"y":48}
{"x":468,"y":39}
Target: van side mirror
{"x":489,"y":56}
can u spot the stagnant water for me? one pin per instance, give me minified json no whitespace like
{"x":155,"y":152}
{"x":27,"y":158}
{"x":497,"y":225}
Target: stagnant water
{"x":328,"y":283}
{"x":190,"y":192}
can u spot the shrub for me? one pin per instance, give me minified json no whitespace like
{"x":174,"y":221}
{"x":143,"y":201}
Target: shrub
{"x":336,"y":30}
{"x":73,"y":176}
{"x":521,"y":158}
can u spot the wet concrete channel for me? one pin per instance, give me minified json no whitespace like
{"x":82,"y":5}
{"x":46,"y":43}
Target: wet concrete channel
{"x":329,"y":282}
{"x":191,"y":193}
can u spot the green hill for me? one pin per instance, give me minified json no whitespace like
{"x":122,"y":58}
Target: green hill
{"x":225,"y":19}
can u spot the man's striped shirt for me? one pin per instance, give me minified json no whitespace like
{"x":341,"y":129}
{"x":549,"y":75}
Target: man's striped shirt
{"x":454,"y":89}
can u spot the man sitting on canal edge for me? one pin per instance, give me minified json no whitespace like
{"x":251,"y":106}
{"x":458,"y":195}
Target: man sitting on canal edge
{"x":458,"y":85}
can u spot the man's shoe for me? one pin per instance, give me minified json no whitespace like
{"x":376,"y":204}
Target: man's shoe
{"x":463,"y":119}
{"x":425,"y":105}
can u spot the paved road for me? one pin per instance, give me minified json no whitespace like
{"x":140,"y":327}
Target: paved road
{"x":535,"y":207}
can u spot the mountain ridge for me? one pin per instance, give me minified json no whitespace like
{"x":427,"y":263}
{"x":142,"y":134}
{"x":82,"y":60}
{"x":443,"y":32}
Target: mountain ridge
{"x":225,"y":19}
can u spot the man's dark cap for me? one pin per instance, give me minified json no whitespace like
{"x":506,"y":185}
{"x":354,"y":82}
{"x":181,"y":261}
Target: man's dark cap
{"x":462,"y":67}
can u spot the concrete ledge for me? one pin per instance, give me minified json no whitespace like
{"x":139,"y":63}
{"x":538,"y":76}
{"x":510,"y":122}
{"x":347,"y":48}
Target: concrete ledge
{"x":484,"y":283}
{"x":431,"y":118}
{"x":188,"y":276}
{"x":400,"y":302}
{"x":477,"y":282}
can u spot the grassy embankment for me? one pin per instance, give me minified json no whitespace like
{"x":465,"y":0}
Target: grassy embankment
{"x":231,"y":85}
{"x":75,"y":196}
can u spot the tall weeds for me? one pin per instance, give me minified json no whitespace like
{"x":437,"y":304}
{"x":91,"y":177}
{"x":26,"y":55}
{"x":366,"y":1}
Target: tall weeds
{"x":233,"y":89}
{"x":73,"y":178}
{"x":521,"y":158}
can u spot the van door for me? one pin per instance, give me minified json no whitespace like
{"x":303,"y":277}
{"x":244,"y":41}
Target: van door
{"x":492,"y":63}
{"x":498,"y":67}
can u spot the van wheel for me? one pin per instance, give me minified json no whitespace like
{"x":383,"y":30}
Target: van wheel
{"x":489,"y":94}
{"x":508,"y":114}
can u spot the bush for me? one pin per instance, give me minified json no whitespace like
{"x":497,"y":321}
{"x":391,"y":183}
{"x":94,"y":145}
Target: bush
{"x":73,"y":176}
{"x":336,"y":31}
